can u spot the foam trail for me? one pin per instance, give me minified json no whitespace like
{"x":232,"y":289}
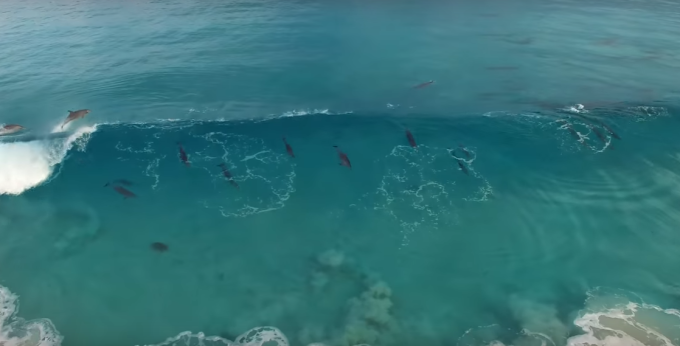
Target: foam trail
{"x":16,"y":331}
{"x":29,"y":164}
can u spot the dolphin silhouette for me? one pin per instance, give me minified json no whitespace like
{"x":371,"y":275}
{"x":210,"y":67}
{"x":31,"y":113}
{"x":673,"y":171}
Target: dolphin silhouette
{"x":411,"y":140}
{"x":75,"y":115}
{"x":344,"y":160}
{"x":10,"y":129}
{"x":422,"y":85}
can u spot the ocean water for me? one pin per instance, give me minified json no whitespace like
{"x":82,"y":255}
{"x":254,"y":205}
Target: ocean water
{"x":540,"y":206}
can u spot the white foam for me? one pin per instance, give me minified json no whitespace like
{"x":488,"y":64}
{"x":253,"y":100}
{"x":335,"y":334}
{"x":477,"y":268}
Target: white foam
{"x":419,"y":187}
{"x":191,"y":339}
{"x":258,"y":336}
{"x":497,"y":114}
{"x":265,"y":170}
{"x":262,"y":335}
{"x":577,"y":108}
{"x":611,"y":320}
{"x":29,"y":164}
{"x":19,"y":332}
{"x":303,"y":112}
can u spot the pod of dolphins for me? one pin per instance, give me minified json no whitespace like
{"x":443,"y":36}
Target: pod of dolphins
{"x":72,"y":115}
{"x":119,"y":184}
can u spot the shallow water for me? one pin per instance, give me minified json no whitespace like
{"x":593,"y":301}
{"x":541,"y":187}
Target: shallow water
{"x":519,"y":219}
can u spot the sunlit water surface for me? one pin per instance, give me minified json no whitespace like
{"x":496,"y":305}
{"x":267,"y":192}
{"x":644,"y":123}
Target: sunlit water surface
{"x":540,"y":206}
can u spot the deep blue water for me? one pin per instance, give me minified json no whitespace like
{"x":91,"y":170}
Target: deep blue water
{"x":539,"y":206}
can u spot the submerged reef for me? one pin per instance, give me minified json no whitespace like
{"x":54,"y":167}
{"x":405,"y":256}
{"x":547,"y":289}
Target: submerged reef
{"x":367,"y":317}
{"x":331,"y":259}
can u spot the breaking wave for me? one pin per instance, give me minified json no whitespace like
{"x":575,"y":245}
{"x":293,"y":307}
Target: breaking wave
{"x":621,"y":318}
{"x":29,"y":163}
{"x":609,"y":318}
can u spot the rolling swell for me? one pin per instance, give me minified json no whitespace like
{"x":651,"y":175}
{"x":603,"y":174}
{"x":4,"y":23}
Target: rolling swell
{"x":252,"y":148}
{"x":417,"y":189}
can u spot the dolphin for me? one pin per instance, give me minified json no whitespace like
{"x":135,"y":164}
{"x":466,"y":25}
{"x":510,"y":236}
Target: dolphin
{"x":411,"y":140}
{"x":289,"y":149}
{"x":344,"y":160}
{"x":10,"y":129}
{"x":462,"y":167}
{"x":123,"y":191}
{"x":75,"y":115}
{"x":422,"y":85}
{"x":228,"y":175}
{"x":183,"y":155}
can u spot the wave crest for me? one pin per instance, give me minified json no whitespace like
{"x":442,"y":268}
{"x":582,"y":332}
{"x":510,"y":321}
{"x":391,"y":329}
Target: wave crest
{"x":27,"y":164}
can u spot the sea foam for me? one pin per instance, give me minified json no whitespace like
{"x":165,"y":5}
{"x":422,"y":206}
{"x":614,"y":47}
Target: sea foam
{"x":16,"y":331}
{"x":258,"y":336}
{"x":609,"y":318}
{"x":615,"y":320}
{"x":27,"y":164}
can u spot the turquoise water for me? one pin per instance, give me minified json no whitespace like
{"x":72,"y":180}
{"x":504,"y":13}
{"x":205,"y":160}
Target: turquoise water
{"x":519,"y":219}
